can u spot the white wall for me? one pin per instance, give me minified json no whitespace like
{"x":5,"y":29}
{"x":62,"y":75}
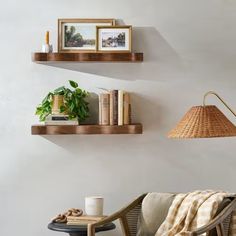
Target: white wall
{"x":189,"y":48}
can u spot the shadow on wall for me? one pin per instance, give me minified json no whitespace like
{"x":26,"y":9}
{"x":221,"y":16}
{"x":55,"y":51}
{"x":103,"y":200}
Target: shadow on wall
{"x":159,"y":59}
{"x":93,"y":109}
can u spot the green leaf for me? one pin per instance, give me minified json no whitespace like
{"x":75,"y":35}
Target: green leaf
{"x":62,"y":109}
{"x":73,"y":84}
{"x":59,"y":91}
{"x":78,"y":91}
{"x":38,"y":110}
{"x":47,"y":98}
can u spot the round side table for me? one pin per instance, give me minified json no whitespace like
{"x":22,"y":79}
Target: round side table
{"x":78,"y":230}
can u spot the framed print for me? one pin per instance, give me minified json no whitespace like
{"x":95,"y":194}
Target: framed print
{"x":114,"y":38}
{"x":79,"y":35}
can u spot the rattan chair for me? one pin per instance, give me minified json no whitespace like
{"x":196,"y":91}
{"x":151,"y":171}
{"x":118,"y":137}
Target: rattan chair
{"x":129,"y":215}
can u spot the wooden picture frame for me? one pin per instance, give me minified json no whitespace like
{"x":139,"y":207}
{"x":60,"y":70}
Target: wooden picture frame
{"x":111,"y":38}
{"x":81,"y":36}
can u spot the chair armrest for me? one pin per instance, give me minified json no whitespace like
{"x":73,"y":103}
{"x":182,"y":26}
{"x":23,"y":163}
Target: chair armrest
{"x":217,"y":221}
{"x":121,"y":213}
{"x":115,"y":216}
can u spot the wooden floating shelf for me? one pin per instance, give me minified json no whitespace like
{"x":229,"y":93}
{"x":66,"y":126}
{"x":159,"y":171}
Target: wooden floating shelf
{"x":40,"y":57}
{"x":86,"y":129}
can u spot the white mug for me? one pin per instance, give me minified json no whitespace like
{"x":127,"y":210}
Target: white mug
{"x":94,"y":206}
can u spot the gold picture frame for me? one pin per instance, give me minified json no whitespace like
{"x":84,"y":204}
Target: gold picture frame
{"x":81,"y":34}
{"x":109,"y":42}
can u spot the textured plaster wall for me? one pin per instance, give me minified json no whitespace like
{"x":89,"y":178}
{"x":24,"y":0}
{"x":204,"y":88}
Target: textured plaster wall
{"x":189,"y":47}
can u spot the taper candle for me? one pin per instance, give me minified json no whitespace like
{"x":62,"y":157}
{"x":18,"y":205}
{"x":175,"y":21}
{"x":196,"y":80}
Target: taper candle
{"x":47,"y":37}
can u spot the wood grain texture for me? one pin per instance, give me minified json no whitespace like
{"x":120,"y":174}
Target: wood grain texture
{"x":88,"y":57}
{"x":86,"y":129}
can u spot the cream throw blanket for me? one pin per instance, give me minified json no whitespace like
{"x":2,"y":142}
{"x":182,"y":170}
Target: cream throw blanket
{"x":192,"y":210}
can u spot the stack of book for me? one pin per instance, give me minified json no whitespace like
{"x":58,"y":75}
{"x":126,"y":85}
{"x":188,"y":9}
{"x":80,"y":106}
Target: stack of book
{"x":114,"y":108}
{"x":83,"y":220}
{"x":60,"y":120}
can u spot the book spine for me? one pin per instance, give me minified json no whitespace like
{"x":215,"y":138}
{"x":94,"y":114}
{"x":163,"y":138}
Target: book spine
{"x":126,"y":109}
{"x":61,"y":123}
{"x":60,"y":118}
{"x":130,"y":114}
{"x":120,"y":106}
{"x":100,"y":109}
{"x":105,"y":100}
{"x":57,"y":117}
{"x":81,"y":223}
{"x":111,"y":108}
{"x":115,"y":107}
{"x":84,"y":217}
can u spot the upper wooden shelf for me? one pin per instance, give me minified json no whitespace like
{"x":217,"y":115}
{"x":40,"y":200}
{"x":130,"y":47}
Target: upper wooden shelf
{"x":88,"y":57}
{"x":86,"y":129}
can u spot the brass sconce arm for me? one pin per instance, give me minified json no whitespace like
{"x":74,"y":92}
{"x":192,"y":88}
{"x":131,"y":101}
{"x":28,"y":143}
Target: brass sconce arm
{"x":214,"y":93}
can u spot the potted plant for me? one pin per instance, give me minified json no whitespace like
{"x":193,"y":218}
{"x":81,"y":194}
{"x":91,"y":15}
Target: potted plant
{"x":71,"y":102}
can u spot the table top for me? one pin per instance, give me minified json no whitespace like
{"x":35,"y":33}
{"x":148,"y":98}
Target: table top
{"x":63,"y":227}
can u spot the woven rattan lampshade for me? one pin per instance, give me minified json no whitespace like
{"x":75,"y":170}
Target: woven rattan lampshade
{"x":203,"y":122}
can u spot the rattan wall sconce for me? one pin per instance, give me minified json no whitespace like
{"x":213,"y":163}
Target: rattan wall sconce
{"x":205,"y":121}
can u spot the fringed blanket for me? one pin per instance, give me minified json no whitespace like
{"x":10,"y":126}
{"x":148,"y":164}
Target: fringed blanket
{"x":191,"y":211}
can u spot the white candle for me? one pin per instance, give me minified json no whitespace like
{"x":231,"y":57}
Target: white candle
{"x":94,"y":206}
{"x":47,"y":48}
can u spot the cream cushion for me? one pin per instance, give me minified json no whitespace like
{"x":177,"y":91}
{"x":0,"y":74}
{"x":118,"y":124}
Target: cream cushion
{"x":154,"y":210}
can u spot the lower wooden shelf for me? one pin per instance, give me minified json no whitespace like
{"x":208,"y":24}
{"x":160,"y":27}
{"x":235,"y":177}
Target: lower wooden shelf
{"x":86,"y":129}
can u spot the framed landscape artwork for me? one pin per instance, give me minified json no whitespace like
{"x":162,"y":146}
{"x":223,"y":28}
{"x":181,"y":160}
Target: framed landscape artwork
{"x":79,"y":35}
{"x":114,"y":38}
